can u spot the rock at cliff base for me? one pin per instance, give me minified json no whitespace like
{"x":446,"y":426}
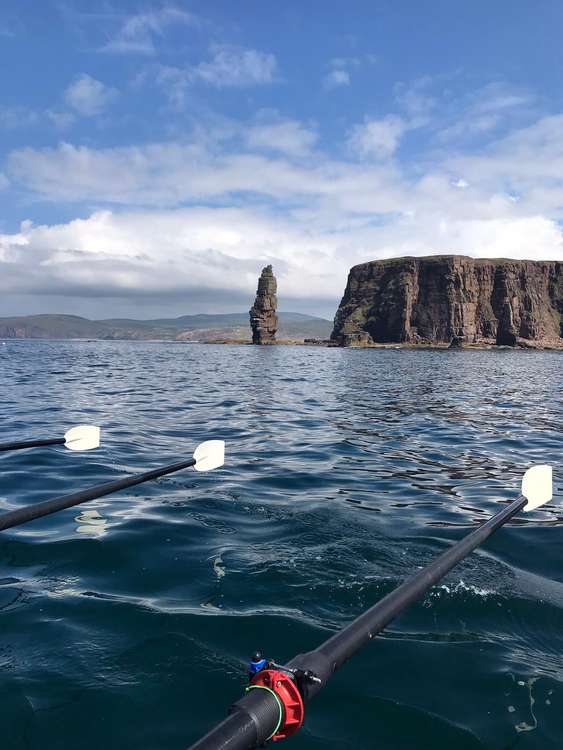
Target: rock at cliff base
{"x":263,"y":314}
{"x":457,"y":342}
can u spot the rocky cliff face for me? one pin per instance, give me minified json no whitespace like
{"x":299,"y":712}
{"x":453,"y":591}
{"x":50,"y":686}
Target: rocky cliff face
{"x":434,"y":299}
{"x":263,"y":316}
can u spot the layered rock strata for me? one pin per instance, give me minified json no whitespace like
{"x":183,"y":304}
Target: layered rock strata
{"x":263,"y":315}
{"x":444,"y":297}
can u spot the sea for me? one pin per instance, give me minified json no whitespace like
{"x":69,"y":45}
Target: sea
{"x":128,"y":622}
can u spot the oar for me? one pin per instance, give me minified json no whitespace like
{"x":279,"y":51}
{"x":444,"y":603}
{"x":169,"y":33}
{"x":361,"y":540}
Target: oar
{"x":84,"y":437}
{"x":207,"y":456}
{"x":274,"y":704}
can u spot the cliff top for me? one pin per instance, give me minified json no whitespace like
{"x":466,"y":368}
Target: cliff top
{"x":436,"y":258}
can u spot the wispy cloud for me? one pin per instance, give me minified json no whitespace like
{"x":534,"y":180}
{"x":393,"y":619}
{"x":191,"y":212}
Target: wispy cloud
{"x":61,"y":120}
{"x":415,"y":98}
{"x":527,"y":162}
{"x":484,"y":111}
{"x":228,"y":67}
{"x":160,"y":174}
{"x":344,"y":63}
{"x":17,"y":117}
{"x":341,"y":68}
{"x":377,"y":138}
{"x":335,"y":79}
{"x":137,"y":33}
{"x":235,"y":66}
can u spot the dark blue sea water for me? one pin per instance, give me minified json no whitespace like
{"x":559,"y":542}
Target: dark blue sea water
{"x":128,"y":622}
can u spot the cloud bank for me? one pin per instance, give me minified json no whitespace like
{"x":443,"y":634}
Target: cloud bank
{"x":181,"y":217}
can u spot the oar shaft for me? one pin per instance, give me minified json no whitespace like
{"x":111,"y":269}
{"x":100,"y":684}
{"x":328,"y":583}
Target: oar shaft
{"x":37,"y":510}
{"x":30,"y":444}
{"x":334,"y":652}
{"x":254,"y":718}
{"x":239,"y":731}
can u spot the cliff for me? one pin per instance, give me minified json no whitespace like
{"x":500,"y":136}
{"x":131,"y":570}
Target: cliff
{"x":263,"y":316}
{"x":438,"y":298}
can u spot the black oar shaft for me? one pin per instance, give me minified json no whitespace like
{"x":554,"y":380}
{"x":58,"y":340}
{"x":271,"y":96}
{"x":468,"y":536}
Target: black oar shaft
{"x":37,"y":510}
{"x":254,"y":717}
{"x":250,"y":725}
{"x":30,"y":444}
{"x":332,"y":654}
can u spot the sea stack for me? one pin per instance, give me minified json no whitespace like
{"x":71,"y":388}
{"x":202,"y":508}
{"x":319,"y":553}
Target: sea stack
{"x":445,"y":298}
{"x":263,"y":315}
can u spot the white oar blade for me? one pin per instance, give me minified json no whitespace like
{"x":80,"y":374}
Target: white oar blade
{"x":84,"y":437}
{"x":537,"y":486}
{"x":209,"y":455}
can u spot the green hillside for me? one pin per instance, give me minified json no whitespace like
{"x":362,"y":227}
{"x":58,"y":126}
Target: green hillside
{"x":187,"y":327}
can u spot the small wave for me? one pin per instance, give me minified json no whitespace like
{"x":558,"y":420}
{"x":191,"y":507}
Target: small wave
{"x":460,"y":588}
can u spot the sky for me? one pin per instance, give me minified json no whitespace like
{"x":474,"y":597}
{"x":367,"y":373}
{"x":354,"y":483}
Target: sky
{"x":155,"y":156}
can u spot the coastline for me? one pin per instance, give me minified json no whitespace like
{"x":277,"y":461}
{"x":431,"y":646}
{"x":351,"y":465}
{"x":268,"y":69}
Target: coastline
{"x":318,"y":344}
{"x":479,"y":346}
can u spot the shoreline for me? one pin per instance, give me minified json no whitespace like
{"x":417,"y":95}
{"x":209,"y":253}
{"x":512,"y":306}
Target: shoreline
{"x":439,"y":345}
{"x":320,"y":344}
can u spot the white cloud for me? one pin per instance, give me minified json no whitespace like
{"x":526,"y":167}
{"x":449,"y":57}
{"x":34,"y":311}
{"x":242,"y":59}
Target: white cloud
{"x":377,"y":138}
{"x":513,"y":237}
{"x":88,"y":96}
{"x":288,"y":137}
{"x":163,"y":252}
{"x":335,"y":79}
{"x":138,"y":32}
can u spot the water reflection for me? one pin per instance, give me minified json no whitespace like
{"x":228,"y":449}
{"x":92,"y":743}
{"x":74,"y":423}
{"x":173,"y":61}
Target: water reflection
{"x":91,"y":523}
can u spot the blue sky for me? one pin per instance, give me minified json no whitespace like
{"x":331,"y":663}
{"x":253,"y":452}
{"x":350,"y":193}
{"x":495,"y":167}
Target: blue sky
{"x":154,"y":156}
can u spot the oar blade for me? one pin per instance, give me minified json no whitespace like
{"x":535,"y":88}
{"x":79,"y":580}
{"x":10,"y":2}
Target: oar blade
{"x":209,"y":455}
{"x":84,"y":437}
{"x":537,"y":486}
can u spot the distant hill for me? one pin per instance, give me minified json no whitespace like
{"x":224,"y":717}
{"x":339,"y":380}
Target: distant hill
{"x":185,"y":328}
{"x":49,"y":326}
